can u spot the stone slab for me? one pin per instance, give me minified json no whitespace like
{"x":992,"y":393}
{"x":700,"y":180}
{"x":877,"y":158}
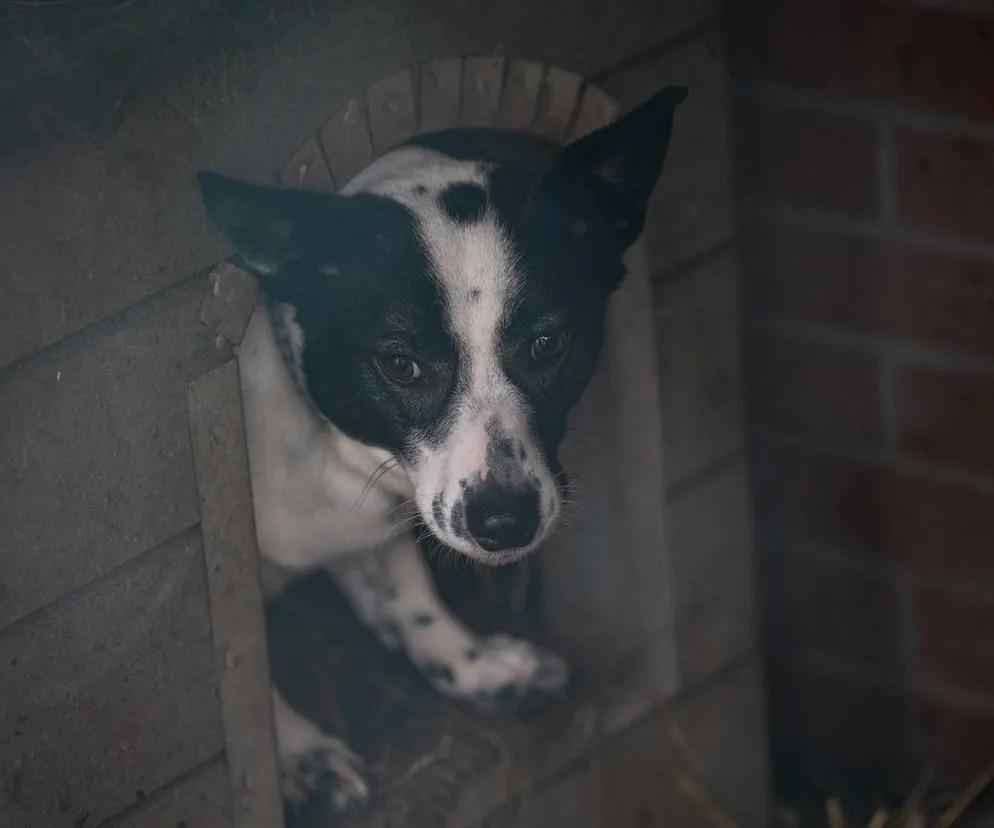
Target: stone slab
{"x":390,"y":105}
{"x":691,"y":210}
{"x":697,"y":319}
{"x":519,"y":99}
{"x":199,"y":800}
{"x":346,"y":142}
{"x":306,"y":169}
{"x":109,"y":694}
{"x":482,"y":79}
{"x":557,"y":103}
{"x":597,"y":109}
{"x":583,"y":37}
{"x":712,"y":742}
{"x":95,"y":462}
{"x":713,"y":739}
{"x":711,"y":549}
{"x":94,"y":223}
{"x":230,"y":301}
{"x":225,"y":496}
{"x":440,"y":90}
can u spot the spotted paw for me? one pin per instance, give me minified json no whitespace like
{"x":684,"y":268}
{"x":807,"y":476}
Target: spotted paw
{"x":321,"y":782}
{"x":502,"y":674}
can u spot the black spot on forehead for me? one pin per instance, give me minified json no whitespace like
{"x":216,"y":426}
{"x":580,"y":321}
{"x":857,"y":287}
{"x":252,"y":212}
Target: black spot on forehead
{"x":464,"y":202}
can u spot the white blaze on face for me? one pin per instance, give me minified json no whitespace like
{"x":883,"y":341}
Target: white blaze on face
{"x":474,"y":265}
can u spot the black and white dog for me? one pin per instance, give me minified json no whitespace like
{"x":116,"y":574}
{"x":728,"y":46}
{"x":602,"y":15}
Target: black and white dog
{"x":425,"y":333}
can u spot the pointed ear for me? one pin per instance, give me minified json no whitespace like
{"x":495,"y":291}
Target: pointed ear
{"x":265,"y":226}
{"x":619,"y":164}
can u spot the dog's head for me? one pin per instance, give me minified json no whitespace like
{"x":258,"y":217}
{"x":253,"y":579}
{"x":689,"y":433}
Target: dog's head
{"x":451,"y":311}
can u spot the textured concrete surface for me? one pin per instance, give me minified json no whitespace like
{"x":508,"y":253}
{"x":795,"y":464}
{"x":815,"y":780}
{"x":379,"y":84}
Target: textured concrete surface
{"x":109,"y":694}
{"x":710,"y":546}
{"x":95,"y":449}
{"x":237,"y":621}
{"x":713,"y":739}
{"x":697,"y":320}
{"x":692,"y":211}
{"x":200,"y":799}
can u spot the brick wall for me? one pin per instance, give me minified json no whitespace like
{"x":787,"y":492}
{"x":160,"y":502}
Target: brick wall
{"x":864,"y":157}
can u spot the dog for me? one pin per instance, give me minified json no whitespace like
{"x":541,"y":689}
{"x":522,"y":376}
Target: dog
{"x":424,"y":334}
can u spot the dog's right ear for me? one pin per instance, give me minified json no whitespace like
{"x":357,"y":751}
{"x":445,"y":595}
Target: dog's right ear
{"x":265,"y":226}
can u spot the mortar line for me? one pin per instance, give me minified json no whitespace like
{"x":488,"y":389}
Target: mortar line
{"x":686,"y":35}
{"x":81,"y":589}
{"x":874,"y":230}
{"x":158,"y":793}
{"x":137,"y":311}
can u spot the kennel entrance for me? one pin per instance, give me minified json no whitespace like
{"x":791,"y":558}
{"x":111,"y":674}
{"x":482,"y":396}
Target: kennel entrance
{"x":603,"y":596}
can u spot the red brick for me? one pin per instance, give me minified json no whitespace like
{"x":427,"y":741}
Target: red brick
{"x":946,"y":184}
{"x":877,"y":511}
{"x":948,"y":417}
{"x":832,"y":608}
{"x":919,"y":57}
{"x":803,"y":387}
{"x":943,"y":299}
{"x":959,"y":740}
{"x":805,"y":158}
{"x":835,"y":279}
{"x":956,"y":637}
{"x":811,"y":275}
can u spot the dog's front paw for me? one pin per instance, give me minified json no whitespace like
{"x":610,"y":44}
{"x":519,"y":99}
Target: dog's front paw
{"x":502,"y":674}
{"x":321,"y":782}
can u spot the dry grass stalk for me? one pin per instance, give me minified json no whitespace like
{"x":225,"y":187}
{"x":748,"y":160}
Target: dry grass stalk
{"x":712,"y":811}
{"x":965,"y":799}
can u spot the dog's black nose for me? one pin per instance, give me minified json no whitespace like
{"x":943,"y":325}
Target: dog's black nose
{"x":502,"y":518}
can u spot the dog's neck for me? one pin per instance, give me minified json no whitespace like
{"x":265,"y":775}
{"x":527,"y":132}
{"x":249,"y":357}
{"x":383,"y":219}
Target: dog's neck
{"x":290,"y":340}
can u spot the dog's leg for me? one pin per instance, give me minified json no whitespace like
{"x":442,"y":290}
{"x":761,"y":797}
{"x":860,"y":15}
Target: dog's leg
{"x":392,"y":591}
{"x":318,"y":772}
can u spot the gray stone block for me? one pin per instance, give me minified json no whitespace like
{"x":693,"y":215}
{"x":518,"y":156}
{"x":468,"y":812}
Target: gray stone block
{"x":306,"y":169}
{"x":709,"y":746}
{"x":557,"y":103}
{"x":110,"y":693}
{"x":440,"y":89}
{"x":723,"y":728}
{"x":237,"y":620}
{"x":346,"y":142}
{"x":697,"y":324}
{"x":520,"y":96}
{"x":713,"y":740}
{"x":597,"y":109}
{"x":102,"y":222}
{"x":200,"y":800}
{"x":583,"y":37}
{"x":482,"y":78}
{"x":390,"y":103}
{"x":712,"y":565}
{"x":95,"y":448}
{"x":691,"y":210}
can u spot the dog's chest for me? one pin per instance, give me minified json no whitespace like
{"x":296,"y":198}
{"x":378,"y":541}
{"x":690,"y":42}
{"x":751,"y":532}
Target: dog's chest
{"x":311,"y":484}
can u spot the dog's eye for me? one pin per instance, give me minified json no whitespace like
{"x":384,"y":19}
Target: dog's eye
{"x":548,"y":347}
{"x":399,"y":367}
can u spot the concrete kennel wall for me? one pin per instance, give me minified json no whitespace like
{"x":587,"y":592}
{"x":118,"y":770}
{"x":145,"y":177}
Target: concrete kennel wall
{"x":109,"y":708}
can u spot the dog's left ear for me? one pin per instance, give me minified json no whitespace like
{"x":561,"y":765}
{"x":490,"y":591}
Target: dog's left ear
{"x":618,"y":165}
